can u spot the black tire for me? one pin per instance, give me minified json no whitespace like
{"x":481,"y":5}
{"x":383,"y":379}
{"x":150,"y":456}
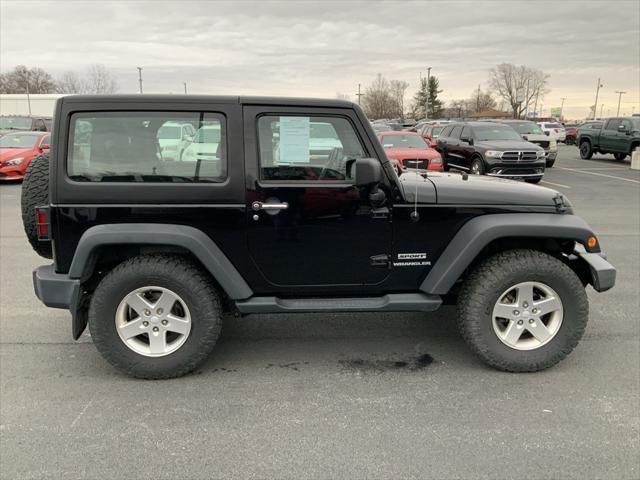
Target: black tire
{"x":172,"y":272}
{"x":533,"y":180}
{"x":620,"y":156}
{"x":479,"y":164}
{"x":35,"y":193}
{"x":586,"y":152}
{"x":496,"y":274}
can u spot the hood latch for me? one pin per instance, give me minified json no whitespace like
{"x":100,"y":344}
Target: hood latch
{"x":558,"y":201}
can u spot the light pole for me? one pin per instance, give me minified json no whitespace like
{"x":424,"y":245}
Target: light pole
{"x":359,"y":94}
{"x":28,"y":97}
{"x":140,"y":77}
{"x":619,"y":98}
{"x":601,"y":107}
{"x":185,"y":87}
{"x":595,"y":105}
{"x":562,"y":106}
{"x":426,"y":103}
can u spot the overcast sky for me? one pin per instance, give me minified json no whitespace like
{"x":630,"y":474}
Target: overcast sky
{"x":318,"y":48}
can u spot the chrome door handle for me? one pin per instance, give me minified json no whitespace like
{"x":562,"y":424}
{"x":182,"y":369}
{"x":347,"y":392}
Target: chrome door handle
{"x":269,"y":206}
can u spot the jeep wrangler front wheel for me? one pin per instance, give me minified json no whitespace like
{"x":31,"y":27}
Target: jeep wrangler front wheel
{"x":155,"y":316}
{"x":522,"y":310}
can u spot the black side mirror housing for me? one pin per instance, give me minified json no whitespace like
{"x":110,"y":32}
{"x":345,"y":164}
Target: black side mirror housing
{"x":368,"y":172}
{"x":467,"y":140}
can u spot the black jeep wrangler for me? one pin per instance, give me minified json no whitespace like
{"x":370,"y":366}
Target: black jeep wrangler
{"x":288,"y":205}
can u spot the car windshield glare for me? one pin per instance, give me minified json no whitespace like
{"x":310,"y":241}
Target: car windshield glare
{"x":527,"y":128}
{"x":403,"y":141}
{"x":496,"y":132}
{"x":18,"y":141}
{"x":17,"y":123}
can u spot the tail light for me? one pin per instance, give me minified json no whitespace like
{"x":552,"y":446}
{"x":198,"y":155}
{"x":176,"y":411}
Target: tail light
{"x":42,"y":223}
{"x":435,"y":164}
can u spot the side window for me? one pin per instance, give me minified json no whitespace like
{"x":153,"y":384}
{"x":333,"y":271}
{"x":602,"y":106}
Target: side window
{"x":455,"y":133}
{"x":39,"y":125}
{"x":466,"y":133}
{"x":147,"y":147}
{"x":446,"y":132}
{"x":306,"y":148}
{"x":612,"y":124}
{"x":626,"y":124}
{"x":46,"y":141}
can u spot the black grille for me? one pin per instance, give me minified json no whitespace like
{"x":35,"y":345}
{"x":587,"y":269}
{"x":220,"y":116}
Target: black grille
{"x":413,"y":163}
{"x":521,"y":156}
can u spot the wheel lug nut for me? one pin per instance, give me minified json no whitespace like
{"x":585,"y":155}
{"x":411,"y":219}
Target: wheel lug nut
{"x":146,"y":324}
{"x":155,"y":329}
{"x":535,"y":310}
{"x":160,"y":311}
{"x":516,"y":312}
{"x":164,"y":322}
{"x":531,"y":320}
{"x":147,"y":313}
{"x":519,"y":322}
{"x":525,"y":304}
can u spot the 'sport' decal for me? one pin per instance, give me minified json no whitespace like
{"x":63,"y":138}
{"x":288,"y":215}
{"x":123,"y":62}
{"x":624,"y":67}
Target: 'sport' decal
{"x":412,"y":256}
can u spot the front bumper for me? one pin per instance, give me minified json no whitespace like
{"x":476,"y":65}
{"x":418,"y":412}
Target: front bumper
{"x":55,"y":290}
{"x":603,"y":274}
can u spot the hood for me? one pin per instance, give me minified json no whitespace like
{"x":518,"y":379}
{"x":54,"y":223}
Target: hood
{"x":9,"y":153}
{"x":452,"y":188}
{"x":504,"y":145}
{"x":418,"y":153}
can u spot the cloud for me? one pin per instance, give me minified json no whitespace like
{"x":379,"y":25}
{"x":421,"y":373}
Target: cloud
{"x":320,"y":48}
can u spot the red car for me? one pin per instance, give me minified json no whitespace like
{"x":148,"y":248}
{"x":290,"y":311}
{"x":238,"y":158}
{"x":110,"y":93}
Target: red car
{"x":410,"y":150}
{"x":18,"y":149}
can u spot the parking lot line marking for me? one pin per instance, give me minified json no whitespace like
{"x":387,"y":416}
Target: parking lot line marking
{"x":555,"y":184}
{"x":598,"y":174}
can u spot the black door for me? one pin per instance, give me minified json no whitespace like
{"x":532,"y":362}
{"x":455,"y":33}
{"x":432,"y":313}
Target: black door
{"x":307,"y":223}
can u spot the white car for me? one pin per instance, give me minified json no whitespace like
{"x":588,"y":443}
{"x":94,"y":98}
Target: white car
{"x":554,"y":130}
{"x":174,"y":138}
{"x":205,"y":148}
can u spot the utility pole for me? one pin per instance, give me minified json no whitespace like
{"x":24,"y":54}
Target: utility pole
{"x":185,"y":87}
{"x":28,"y":97}
{"x":562,"y":106}
{"x":595,"y":105}
{"x":478,"y":100}
{"x":426,"y":103}
{"x":601,"y":107}
{"x":619,"y":98}
{"x":535,"y":107}
{"x":359,"y":94}
{"x":140,"y":77}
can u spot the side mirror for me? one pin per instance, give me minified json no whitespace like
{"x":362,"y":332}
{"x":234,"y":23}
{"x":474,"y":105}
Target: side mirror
{"x":467,"y":140}
{"x":368,"y":172}
{"x":44,"y":147}
{"x":622,"y":128}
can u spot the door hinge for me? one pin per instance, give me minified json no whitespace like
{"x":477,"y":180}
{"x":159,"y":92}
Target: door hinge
{"x":558,"y":200}
{"x":380,"y":260}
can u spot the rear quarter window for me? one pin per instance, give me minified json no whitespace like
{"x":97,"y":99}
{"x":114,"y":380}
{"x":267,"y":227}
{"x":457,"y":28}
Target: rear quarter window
{"x":147,"y":147}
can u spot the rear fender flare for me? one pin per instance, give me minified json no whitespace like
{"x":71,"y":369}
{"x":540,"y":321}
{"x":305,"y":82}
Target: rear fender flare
{"x":478,"y":232}
{"x":189,"y":238}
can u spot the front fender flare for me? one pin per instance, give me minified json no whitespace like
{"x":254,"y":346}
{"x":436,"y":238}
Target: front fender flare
{"x":189,"y":238}
{"x":478,"y":232}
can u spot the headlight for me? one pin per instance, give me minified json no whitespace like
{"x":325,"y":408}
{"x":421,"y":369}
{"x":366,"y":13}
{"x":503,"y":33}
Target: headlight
{"x":14,"y":161}
{"x":493,"y":154}
{"x":540,"y":153}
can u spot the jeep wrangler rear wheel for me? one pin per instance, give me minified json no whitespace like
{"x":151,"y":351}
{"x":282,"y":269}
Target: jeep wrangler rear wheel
{"x":522,"y":310}
{"x":155,"y":316}
{"x":35,"y":193}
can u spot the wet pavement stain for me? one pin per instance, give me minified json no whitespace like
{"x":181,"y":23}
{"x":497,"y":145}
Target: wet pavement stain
{"x":413,"y":364}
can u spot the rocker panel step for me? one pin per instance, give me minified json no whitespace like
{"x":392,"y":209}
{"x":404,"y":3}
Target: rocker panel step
{"x":393,"y":302}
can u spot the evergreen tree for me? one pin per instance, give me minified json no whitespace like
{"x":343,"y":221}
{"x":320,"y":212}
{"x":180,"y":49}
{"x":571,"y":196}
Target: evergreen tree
{"x":436,"y":106}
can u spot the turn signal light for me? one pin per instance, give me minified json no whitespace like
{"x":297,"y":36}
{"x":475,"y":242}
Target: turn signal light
{"x":592,"y":242}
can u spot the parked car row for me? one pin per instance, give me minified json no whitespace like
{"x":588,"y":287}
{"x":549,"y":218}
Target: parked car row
{"x":24,"y":123}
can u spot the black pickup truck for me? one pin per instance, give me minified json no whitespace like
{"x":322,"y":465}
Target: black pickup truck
{"x":288,"y":205}
{"x":619,"y":136}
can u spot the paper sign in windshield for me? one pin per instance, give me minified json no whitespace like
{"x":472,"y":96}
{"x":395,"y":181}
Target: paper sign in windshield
{"x":294,"y":139}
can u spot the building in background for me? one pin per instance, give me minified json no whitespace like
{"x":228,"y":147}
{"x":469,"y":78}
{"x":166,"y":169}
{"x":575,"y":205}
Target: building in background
{"x":18,"y":104}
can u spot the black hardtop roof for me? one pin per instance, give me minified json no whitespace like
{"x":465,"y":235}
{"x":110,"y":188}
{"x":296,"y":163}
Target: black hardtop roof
{"x":244,"y":100}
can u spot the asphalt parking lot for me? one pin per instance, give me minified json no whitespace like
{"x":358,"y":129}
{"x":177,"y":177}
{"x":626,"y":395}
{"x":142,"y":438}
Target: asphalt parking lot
{"x":332,"y":395}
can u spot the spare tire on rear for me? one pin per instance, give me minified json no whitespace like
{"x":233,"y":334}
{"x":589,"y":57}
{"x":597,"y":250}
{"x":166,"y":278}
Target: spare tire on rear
{"x":35,"y":193}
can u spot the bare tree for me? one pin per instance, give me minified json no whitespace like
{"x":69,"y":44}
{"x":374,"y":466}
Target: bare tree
{"x":71,"y":82}
{"x":397,"y":90}
{"x":378,"y":101}
{"x":100,"y":80}
{"x":480,"y":101}
{"x":518,"y":85}
{"x":22,"y":79}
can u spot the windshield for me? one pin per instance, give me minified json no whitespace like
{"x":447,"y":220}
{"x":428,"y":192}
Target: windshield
{"x":208,"y":135}
{"x":403,"y":141}
{"x":15,"y":123}
{"x":527,"y":128}
{"x":18,"y":141}
{"x":168,"y":132}
{"x":553,"y":125}
{"x":497,"y":132}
